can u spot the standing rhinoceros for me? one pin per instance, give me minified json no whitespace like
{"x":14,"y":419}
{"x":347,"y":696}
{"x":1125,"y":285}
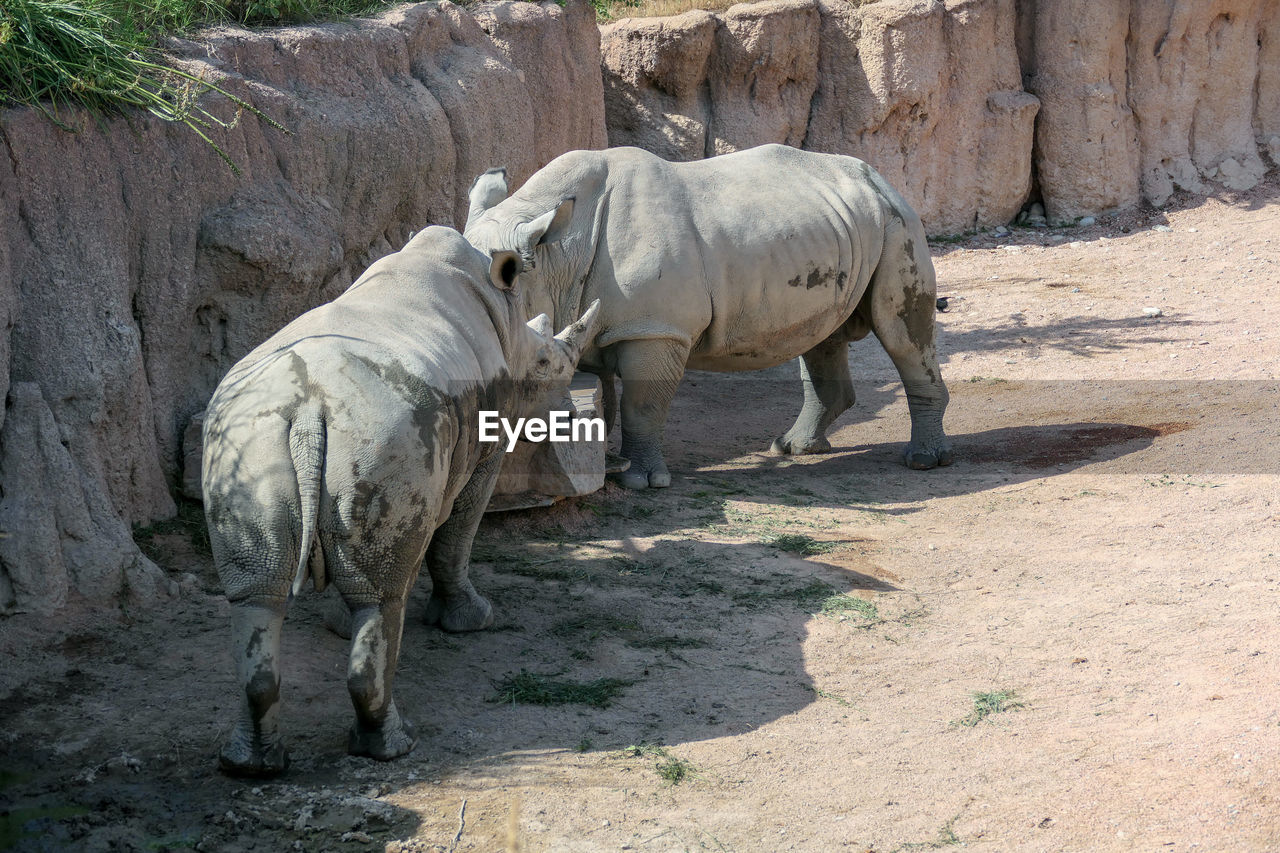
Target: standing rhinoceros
{"x":737,"y":262}
{"x":347,"y":444}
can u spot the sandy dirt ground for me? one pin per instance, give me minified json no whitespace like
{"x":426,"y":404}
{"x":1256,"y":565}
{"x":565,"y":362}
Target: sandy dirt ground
{"x":1068,"y":640}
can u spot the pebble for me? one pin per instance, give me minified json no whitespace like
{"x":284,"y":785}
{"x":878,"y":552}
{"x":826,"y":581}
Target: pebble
{"x":1152,"y":311}
{"x":1163,"y":228}
{"x":1087,"y":221}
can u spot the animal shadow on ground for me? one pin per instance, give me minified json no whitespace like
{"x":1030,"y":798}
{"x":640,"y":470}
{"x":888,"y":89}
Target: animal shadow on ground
{"x":610,"y":632}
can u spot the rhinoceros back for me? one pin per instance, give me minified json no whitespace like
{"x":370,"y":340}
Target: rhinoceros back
{"x":756,"y":256}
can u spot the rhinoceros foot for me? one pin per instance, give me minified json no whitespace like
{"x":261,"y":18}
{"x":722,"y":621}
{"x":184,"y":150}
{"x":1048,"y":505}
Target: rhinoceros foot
{"x":253,"y":758}
{"x":638,"y":476}
{"x":396,"y":737}
{"x":464,"y":611}
{"x":789,"y":445}
{"x":924,"y":458}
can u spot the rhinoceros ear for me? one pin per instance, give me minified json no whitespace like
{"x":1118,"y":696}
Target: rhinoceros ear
{"x":486,"y":191}
{"x":550,"y":227}
{"x":504,"y":268}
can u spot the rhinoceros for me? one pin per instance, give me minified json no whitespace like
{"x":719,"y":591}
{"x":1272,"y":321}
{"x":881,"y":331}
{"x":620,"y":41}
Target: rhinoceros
{"x":737,"y":262}
{"x":346,"y":447}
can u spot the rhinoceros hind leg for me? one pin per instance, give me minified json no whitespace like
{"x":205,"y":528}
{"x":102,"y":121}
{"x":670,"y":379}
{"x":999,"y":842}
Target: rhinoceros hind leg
{"x":254,"y":748}
{"x":903,"y":305}
{"x":380,"y":732}
{"x":455,"y":605}
{"x":650,"y":371}
{"x":336,"y":614}
{"x":828,"y":392}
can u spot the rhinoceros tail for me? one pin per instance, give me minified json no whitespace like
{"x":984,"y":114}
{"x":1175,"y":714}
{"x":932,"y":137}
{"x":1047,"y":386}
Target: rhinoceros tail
{"x":306,"y":447}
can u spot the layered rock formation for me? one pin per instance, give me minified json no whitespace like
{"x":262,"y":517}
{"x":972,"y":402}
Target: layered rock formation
{"x":928,"y":93}
{"x":966,"y":104}
{"x":135,"y":267}
{"x":1142,"y":98}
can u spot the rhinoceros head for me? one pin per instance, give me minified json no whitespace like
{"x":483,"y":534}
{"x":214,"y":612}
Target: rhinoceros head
{"x":515,"y":226}
{"x":543,"y":363}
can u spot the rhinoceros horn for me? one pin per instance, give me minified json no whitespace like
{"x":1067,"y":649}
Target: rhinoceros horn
{"x":577,"y":336}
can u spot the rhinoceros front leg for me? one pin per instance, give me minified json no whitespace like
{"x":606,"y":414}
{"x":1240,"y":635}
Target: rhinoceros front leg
{"x":903,"y":302}
{"x":828,"y":392}
{"x":254,"y":748}
{"x":380,"y":732}
{"x":650,"y":371}
{"x":455,"y":605}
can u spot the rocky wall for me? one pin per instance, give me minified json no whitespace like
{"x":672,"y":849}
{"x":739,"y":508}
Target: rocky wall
{"x":968,"y":106}
{"x":1146,"y":97}
{"x":930,"y":93}
{"x":135,"y":267}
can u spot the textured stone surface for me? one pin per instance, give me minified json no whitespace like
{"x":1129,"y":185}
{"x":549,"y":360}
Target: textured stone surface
{"x":1142,"y":98}
{"x":654,"y":72}
{"x":552,"y":49}
{"x":1086,"y":142}
{"x":927,"y":92}
{"x":966,"y":105}
{"x":134,"y":279}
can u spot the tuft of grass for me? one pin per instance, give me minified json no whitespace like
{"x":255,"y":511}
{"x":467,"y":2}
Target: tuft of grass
{"x":668,"y":643}
{"x":530,"y":688}
{"x":798,"y":543}
{"x":14,"y":823}
{"x":188,"y":522}
{"x":670,"y":768}
{"x":946,"y":838}
{"x":592,"y":626}
{"x":1184,"y":480}
{"x":992,"y":702}
{"x":99,"y":55}
{"x":837,"y":605}
{"x":807,"y":596}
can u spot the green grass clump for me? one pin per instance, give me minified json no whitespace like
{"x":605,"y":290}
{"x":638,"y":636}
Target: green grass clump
{"x":97,"y":54}
{"x":530,"y":688}
{"x":188,"y":522}
{"x":993,"y":702}
{"x":838,"y":605}
{"x":798,"y":543}
{"x":670,"y":768}
{"x":807,"y":596}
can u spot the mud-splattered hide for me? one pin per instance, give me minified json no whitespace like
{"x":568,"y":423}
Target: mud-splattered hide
{"x":736,"y":262}
{"x":346,"y":447}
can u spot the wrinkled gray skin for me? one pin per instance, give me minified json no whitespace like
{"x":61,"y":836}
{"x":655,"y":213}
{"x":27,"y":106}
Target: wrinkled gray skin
{"x":346,"y":448}
{"x":737,"y":262}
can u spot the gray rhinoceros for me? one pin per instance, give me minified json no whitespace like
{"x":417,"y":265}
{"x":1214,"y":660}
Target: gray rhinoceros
{"x":346,"y":447}
{"x":736,"y":262}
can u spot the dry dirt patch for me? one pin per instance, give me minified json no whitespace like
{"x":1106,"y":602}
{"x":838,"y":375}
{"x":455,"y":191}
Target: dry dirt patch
{"x":1067,"y":640}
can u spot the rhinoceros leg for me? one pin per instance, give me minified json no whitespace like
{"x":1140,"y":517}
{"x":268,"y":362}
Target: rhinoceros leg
{"x":380,"y":732}
{"x":650,"y":371}
{"x":455,"y":605}
{"x":254,"y":747}
{"x":828,"y":392}
{"x":903,"y":300}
